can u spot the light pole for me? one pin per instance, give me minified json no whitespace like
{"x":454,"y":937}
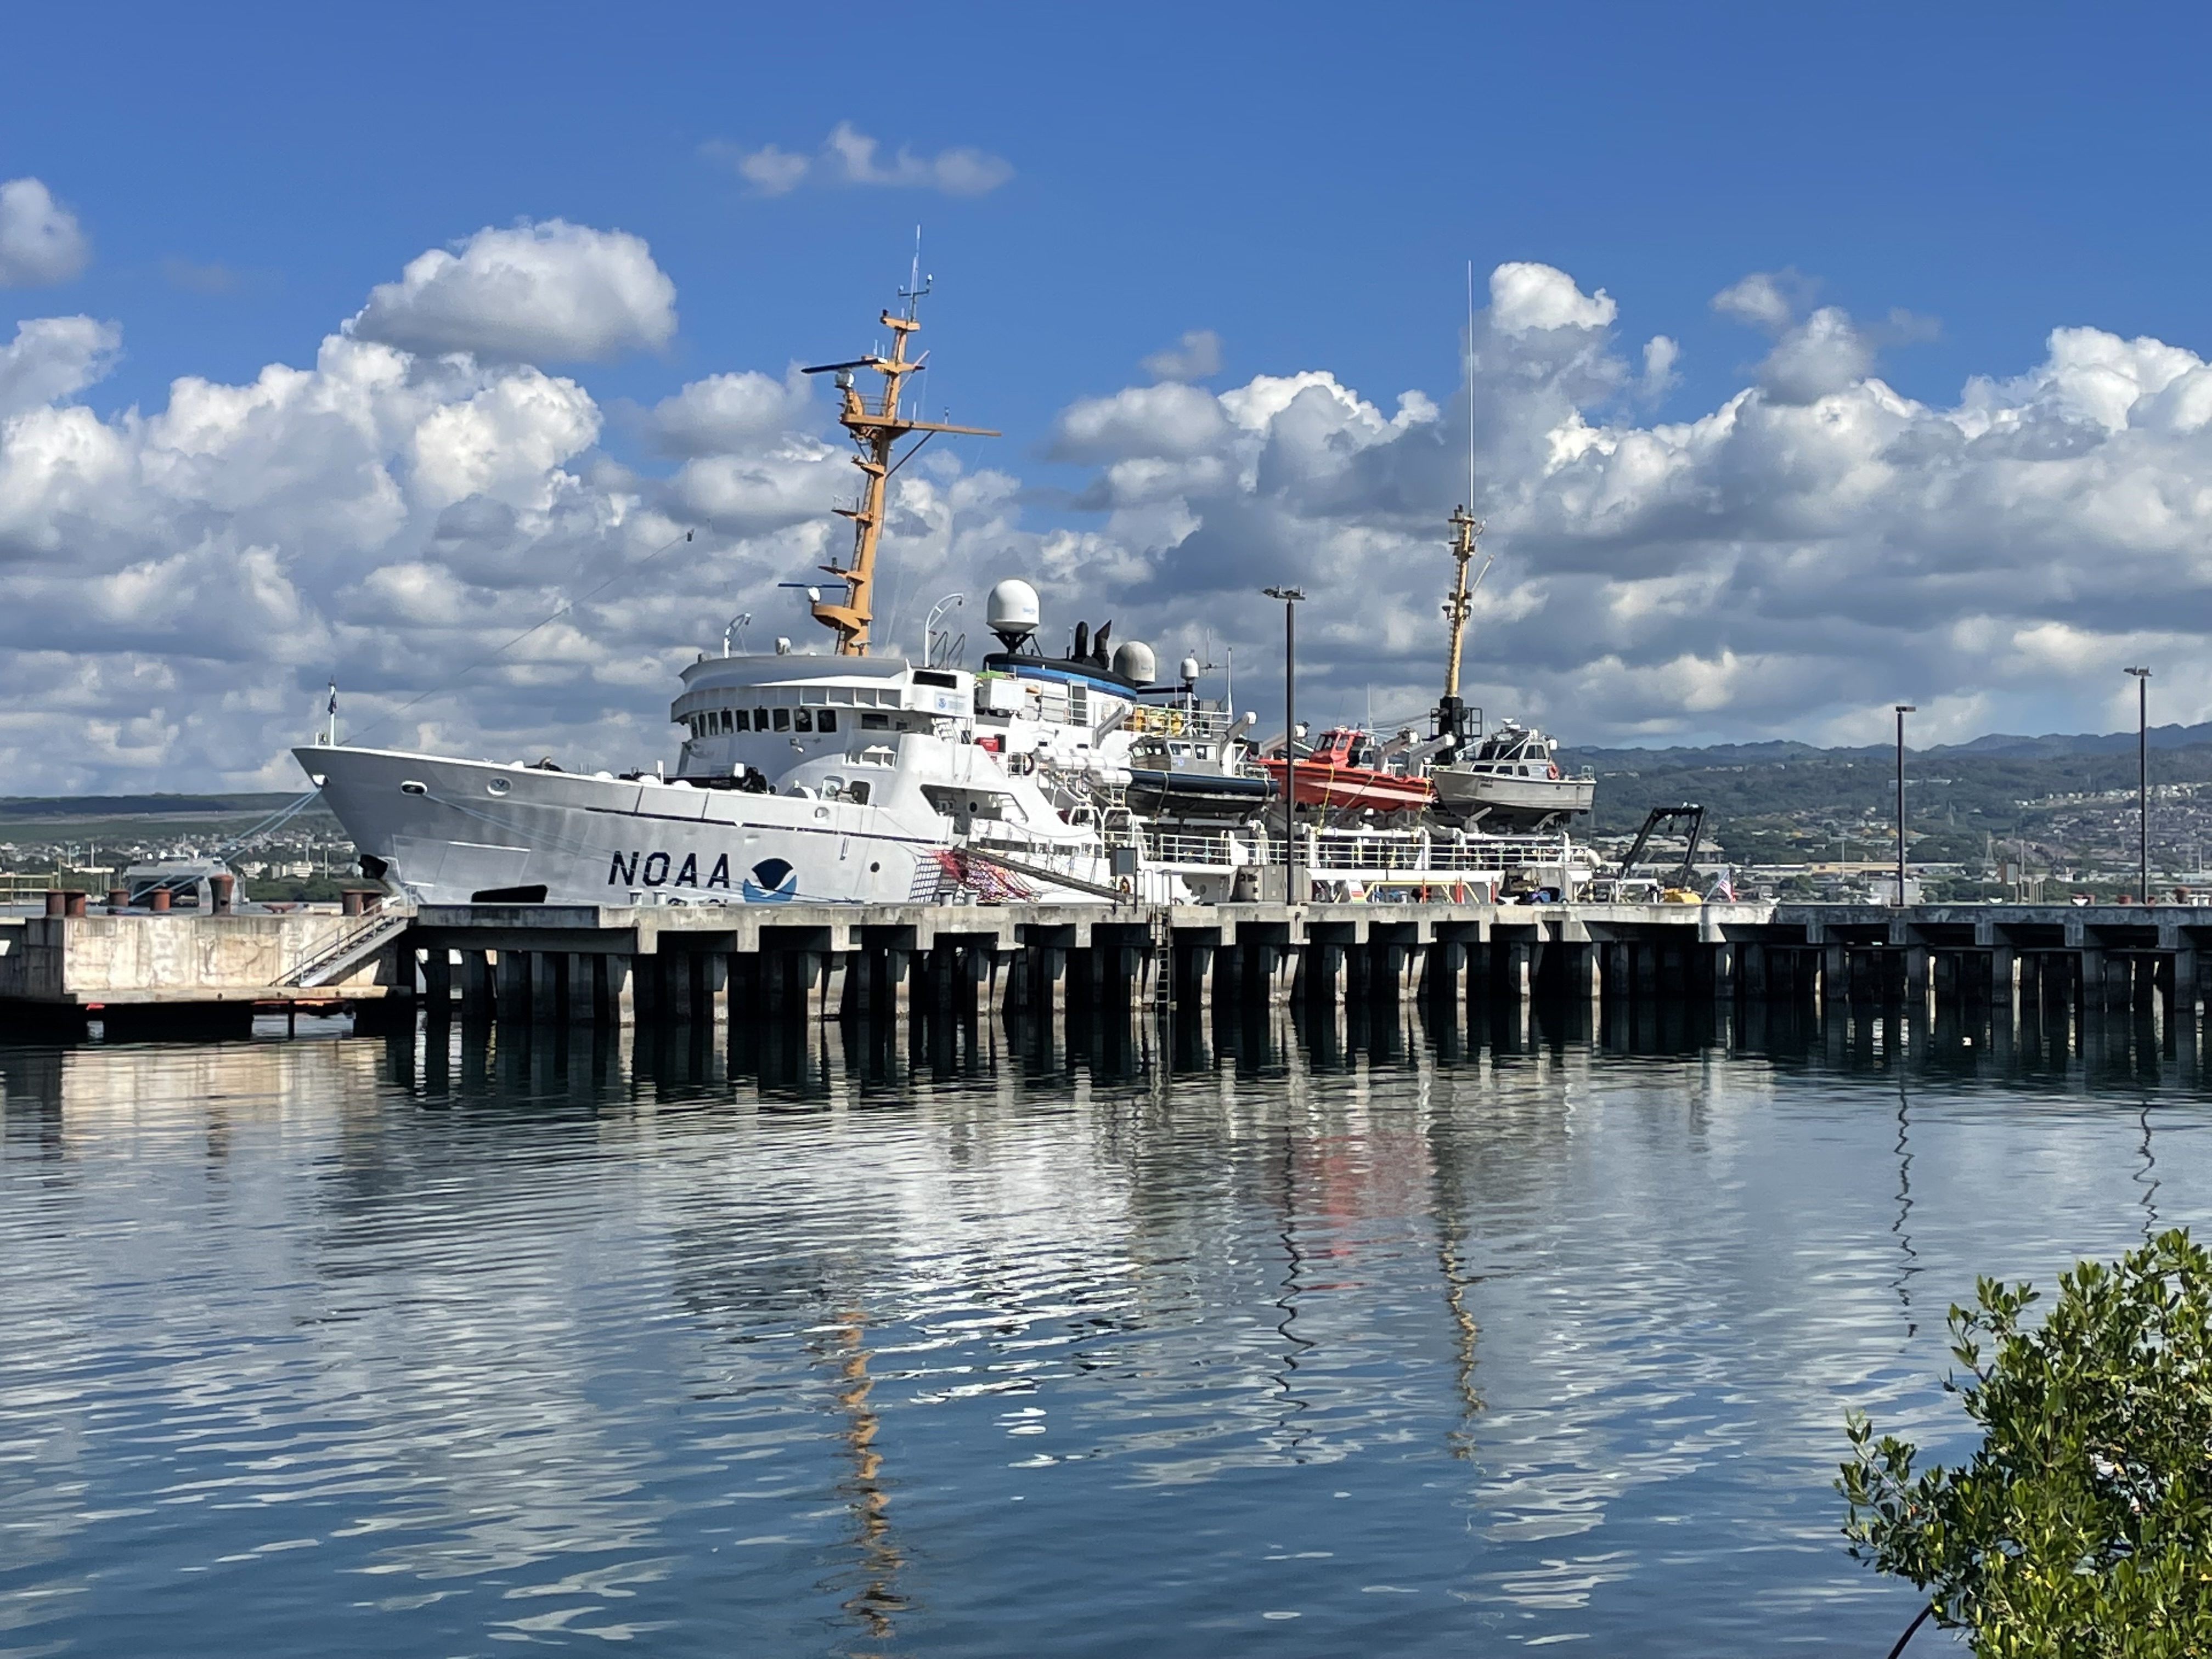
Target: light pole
{"x":1290,"y":597}
{"x":2143,"y":779}
{"x":1903,"y":709}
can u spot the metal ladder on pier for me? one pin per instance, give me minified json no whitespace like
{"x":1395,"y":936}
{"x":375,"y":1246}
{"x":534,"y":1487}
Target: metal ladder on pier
{"x":1162,"y":998}
{"x":349,"y":950}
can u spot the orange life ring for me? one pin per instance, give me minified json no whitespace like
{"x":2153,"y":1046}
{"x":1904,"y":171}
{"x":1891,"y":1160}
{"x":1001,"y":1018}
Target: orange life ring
{"x":1551,"y":770}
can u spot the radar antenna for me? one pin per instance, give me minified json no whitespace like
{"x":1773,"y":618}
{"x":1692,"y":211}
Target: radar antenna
{"x":876,"y":426}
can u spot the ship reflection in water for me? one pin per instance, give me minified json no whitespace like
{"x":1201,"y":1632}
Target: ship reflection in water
{"x":1350,"y":1334}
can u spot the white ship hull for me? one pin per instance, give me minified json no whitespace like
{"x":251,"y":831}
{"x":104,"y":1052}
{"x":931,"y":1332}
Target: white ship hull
{"x":445,"y":831}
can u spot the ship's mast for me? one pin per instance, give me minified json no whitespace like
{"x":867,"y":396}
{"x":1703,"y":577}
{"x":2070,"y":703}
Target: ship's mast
{"x":875,"y":431}
{"x":1466,"y":527}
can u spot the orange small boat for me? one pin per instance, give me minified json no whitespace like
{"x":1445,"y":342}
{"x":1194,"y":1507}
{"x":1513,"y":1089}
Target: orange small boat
{"x":1341,"y":772}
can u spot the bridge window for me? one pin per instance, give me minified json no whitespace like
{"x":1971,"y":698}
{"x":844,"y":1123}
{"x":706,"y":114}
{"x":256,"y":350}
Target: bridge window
{"x":802,"y":720}
{"x":782,"y":719}
{"x":826,"y":720}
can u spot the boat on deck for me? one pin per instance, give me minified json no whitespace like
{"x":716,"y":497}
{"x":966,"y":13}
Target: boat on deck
{"x":1509,"y":781}
{"x":1344,"y":770}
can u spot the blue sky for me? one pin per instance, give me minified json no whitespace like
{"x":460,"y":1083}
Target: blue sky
{"x":1308,"y":182}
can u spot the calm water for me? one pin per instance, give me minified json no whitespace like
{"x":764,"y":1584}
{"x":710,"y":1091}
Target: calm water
{"x":1298,"y":1343}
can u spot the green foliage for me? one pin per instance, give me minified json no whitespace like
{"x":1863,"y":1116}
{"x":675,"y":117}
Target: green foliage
{"x":2081,"y":1526}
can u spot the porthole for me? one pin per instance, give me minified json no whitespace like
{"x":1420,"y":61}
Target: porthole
{"x":410,"y":787}
{"x":497,"y":787}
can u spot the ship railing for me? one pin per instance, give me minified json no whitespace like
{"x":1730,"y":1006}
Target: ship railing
{"x":1166,"y":721}
{"x":1414,"y":854}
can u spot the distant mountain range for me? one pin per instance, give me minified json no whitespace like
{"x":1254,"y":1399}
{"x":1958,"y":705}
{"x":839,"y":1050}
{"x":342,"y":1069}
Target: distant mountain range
{"x":1996,"y":745}
{"x":1765,"y":798}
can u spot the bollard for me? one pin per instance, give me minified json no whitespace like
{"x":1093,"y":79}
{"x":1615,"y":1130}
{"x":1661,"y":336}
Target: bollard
{"x":158,"y":900}
{"x":350,"y":902}
{"x":222,"y":888}
{"x":73,"y":903}
{"x":118,"y":898}
{"x":57,"y":902}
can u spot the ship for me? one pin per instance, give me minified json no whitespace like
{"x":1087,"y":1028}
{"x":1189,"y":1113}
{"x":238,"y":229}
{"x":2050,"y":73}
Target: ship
{"x":847,"y":776}
{"x":858,"y":776}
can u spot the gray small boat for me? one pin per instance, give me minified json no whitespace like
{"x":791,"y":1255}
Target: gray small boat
{"x":1509,"y":781}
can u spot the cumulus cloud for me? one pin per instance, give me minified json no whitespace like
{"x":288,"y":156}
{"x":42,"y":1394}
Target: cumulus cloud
{"x":54,"y":357}
{"x":175,"y":584}
{"x":1197,"y":356}
{"x":1754,"y":570}
{"x":552,"y":291}
{"x":1766,"y":299}
{"x":848,"y":157}
{"x":40,"y":241}
{"x":1525,"y":297}
{"x":722,"y":413}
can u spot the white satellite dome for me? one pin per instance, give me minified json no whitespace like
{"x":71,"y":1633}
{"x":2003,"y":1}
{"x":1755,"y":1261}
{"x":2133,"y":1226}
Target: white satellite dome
{"x":1133,"y":661}
{"x":1189,"y":671}
{"x":1010,"y":610}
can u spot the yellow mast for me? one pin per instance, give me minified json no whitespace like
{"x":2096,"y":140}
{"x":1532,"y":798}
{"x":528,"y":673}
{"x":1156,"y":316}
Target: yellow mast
{"x":1464,"y":528}
{"x":875,"y":431}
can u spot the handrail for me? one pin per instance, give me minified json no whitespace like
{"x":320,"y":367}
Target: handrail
{"x":351,"y":945}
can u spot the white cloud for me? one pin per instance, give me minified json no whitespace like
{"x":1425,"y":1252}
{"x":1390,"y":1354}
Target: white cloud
{"x":723,"y":411}
{"x":54,"y":357}
{"x":40,"y":241}
{"x":1823,"y":354}
{"x":1816,"y":543}
{"x":1760,"y":299}
{"x":1525,"y":297}
{"x":175,"y":584}
{"x":848,"y":157}
{"x":1197,"y":356}
{"x":552,"y":291}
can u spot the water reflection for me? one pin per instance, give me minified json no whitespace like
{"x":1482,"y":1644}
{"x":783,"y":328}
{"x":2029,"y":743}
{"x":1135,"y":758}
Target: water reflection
{"x":1436,"y":1328}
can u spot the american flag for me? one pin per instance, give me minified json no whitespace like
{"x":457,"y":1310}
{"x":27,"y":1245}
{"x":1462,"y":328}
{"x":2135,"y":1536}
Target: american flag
{"x":1724,"y":890}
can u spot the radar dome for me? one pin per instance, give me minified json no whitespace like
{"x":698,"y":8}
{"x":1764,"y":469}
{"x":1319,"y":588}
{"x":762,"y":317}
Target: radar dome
{"x":1189,"y":671}
{"x":1011,"y":610}
{"x":1133,"y":661}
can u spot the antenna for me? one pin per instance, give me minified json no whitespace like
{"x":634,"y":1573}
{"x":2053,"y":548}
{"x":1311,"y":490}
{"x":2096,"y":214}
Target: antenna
{"x":916,"y":283}
{"x":1470,"y":386}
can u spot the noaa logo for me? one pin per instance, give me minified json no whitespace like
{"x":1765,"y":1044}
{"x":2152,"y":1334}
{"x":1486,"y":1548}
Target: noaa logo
{"x":772,"y":882}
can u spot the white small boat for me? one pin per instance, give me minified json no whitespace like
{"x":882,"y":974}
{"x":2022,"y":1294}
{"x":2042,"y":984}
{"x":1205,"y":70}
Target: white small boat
{"x":1510,"y":780}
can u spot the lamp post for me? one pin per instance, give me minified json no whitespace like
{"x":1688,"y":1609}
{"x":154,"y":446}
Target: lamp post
{"x":2142,"y":781}
{"x":1290,"y":597}
{"x":1903,"y":709}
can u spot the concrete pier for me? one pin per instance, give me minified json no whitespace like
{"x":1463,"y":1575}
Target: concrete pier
{"x":526,"y":966}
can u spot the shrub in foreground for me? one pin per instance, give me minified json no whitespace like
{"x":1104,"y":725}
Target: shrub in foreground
{"x":2081,"y":1525}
